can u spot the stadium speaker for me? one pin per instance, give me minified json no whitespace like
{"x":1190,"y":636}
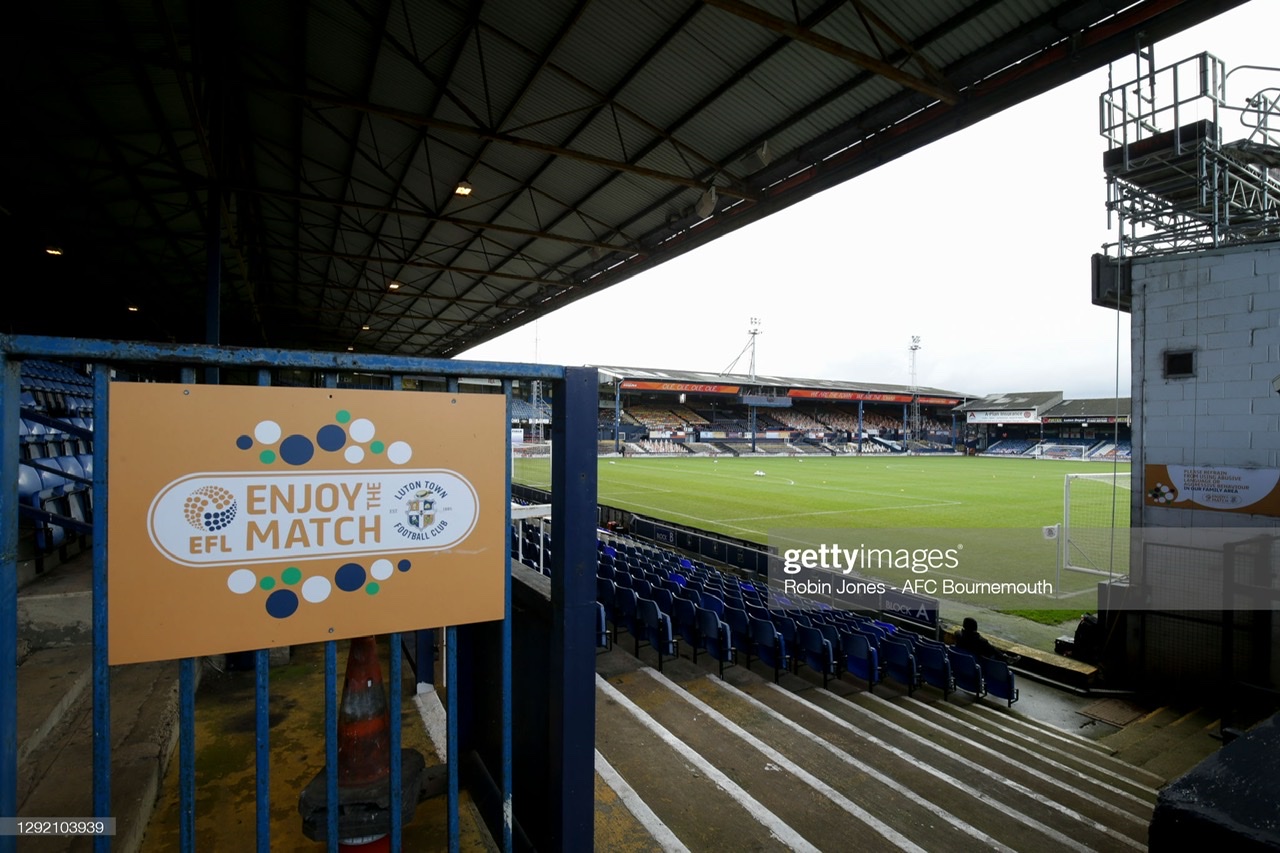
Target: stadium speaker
{"x":706,"y":204}
{"x":1112,"y":285}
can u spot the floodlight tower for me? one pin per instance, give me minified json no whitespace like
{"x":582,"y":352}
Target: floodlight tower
{"x":752,"y":333}
{"x":916,"y":425}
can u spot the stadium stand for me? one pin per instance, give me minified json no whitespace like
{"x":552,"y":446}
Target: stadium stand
{"x":1011,"y":447}
{"x":55,"y":435}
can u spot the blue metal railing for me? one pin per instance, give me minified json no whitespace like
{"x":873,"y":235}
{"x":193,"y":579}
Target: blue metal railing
{"x":571,"y":698}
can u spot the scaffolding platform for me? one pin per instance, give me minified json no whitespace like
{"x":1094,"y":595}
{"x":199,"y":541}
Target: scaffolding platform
{"x":1173,"y":184}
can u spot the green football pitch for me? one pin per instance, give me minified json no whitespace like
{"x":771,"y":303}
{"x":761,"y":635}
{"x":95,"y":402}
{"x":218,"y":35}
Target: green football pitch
{"x":724,"y":495}
{"x":996,"y":508}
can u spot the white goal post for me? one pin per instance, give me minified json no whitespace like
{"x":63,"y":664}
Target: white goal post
{"x":1095,"y":523}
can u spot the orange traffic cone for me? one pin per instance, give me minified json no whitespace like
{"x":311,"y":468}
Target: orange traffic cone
{"x":364,"y":733}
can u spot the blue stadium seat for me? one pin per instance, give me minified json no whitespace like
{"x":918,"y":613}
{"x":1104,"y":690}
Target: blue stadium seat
{"x":861,"y":659}
{"x":606,"y":597}
{"x":657,"y":629}
{"x":739,"y":623}
{"x":967,"y":673}
{"x":767,"y":644}
{"x":899,"y":663}
{"x":684,"y":622}
{"x":629,"y":615}
{"x":935,"y":667}
{"x":663,"y":598}
{"x":717,"y":638}
{"x":787,"y":629}
{"x":603,"y":639}
{"x":999,"y":680}
{"x":817,"y":652}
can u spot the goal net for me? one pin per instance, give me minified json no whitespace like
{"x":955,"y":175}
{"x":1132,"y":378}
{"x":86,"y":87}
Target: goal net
{"x":1095,"y":523}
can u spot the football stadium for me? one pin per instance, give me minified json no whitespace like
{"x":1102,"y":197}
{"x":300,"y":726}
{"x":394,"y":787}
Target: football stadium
{"x":285,"y":566}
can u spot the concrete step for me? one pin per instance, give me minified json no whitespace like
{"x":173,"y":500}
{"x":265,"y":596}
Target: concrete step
{"x":981,"y":800}
{"x":53,"y":685}
{"x":687,"y":795}
{"x":1070,"y":757}
{"x":1070,"y":808}
{"x":909,"y":774}
{"x":143,"y":730}
{"x":55,"y":609}
{"x":1168,"y":743}
{"x":931,"y":812}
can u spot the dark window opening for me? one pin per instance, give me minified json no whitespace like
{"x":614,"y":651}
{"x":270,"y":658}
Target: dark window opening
{"x":1179,"y":364}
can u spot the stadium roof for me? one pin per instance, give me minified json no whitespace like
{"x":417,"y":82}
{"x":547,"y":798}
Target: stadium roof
{"x":323,"y":145}
{"x":1046,"y":407}
{"x":1100,"y":409}
{"x":1040,"y":401}
{"x":692,"y":381}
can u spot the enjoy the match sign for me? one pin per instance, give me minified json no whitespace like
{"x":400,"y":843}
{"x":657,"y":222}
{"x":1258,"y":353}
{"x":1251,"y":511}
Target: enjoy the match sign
{"x":248,"y":517}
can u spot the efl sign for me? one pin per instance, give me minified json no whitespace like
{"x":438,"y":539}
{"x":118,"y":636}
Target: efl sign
{"x":248,"y":517}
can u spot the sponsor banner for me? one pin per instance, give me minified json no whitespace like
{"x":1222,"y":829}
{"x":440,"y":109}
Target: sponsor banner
{"x":1247,"y":490}
{"x":1024,"y":416}
{"x":939,"y":401}
{"x":682,"y":387}
{"x":1085,"y":421}
{"x":810,"y":394}
{"x":249,"y":517}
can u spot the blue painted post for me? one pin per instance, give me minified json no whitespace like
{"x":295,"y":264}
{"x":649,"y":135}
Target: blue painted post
{"x":187,"y":755}
{"x":10,"y":402}
{"x":101,"y":672}
{"x":451,"y":737}
{"x":331,"y":744}
{"x":187,"y":728}
{"x":424,"y":657}
{"x":395,"y":676}
{"x":451,"y":713}
{"x":262,"y":747}
{"x":573,"y":592}
{"x":508,"y":667}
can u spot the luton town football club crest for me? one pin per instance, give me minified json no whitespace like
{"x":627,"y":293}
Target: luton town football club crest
{"x":421,"y":509}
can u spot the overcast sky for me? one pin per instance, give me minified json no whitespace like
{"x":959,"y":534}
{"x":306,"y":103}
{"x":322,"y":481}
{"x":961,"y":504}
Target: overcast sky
{"x":979,"y":244}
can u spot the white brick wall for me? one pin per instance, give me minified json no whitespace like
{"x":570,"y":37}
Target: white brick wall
{"x":1224,"y":305}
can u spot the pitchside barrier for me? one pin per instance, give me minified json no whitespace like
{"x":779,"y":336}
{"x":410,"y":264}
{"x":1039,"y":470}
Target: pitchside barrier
{"x":245,"y":515}
{"x":1095,"y":523}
